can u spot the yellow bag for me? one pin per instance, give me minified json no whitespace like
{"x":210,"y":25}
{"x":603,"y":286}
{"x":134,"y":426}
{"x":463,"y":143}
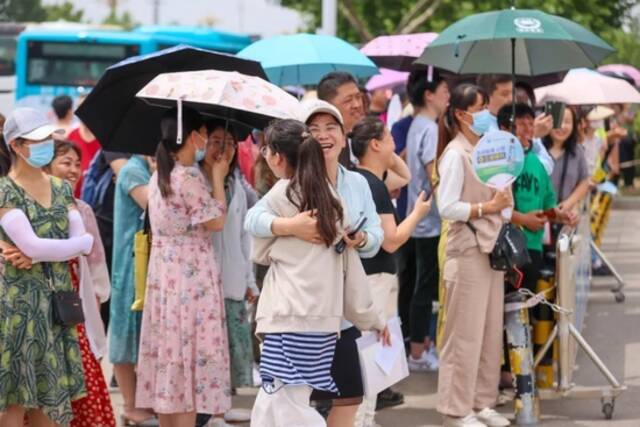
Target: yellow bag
{"x":141,"y":250}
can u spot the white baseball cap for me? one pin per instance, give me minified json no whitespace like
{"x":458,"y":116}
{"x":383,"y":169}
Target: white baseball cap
{"x":28,"y":123}
{"x":315,"y":106}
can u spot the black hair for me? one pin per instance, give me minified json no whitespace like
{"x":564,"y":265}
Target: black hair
{"x":61,"y":105}
{"x":303,"y":153}
{"x":363,"y":132}
{"x":489,"y":82}
{"x":6,"y":157}
{"x":328,"y":86}
{"x":572,"y":141}
{"x":419,"y":83}
{"x":168,"y":146}
{"x":504,"y":115}
{"x":462,"y":97}
{"x":531,"y":94}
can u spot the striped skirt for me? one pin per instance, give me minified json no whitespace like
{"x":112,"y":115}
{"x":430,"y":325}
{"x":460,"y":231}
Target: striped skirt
{"x":298,"y":359}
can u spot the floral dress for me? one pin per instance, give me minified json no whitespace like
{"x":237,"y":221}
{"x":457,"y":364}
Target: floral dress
{"x":40,"y":362}
{"x":183,"y":362}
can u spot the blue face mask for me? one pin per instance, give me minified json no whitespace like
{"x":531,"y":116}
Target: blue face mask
{"x":40,"y":154}
{"x":200,"y":152}
{"x":483,"y":121}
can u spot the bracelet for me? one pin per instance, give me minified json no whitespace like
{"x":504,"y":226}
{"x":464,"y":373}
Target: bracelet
{"x":479,"y":210}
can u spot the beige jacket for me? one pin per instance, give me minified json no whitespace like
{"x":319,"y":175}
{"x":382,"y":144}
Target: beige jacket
{"x":309,"y":287}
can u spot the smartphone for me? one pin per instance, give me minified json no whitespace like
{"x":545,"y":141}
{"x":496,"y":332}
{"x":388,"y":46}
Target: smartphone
{"x":550,"y":214}
{"x":341,"y":245}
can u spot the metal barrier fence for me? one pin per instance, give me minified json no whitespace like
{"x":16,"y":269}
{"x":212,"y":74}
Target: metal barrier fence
{"x":572,"y":285}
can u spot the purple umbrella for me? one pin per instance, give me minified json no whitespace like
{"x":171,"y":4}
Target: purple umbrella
{"x":629,"y":70}
{"x":397,"y":52}
{"x":387,"y":79}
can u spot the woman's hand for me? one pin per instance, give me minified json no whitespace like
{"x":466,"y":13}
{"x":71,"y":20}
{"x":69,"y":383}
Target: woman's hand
{"x":16,"y":258}
{"x":567,"y":216}
{"x":422,"y":205}
{"x":221,"y":165}
{"x":250,"y":296}
{"x":385,"y":336}
{"x":357,"y":240}
{"x":304,"y":226}
{"x":501,"y":200}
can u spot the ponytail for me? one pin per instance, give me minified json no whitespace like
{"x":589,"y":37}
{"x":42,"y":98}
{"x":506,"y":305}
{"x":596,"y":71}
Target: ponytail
{"x":5,"y":157}
{"x":168,"y":146}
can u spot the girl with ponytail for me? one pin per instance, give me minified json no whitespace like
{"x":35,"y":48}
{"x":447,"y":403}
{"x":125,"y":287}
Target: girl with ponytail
{"x":309,"y":286}
{"x":183,"y":363}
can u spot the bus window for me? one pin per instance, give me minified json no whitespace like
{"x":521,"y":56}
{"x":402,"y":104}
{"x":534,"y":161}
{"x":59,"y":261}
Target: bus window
{"x":72,"y":64}
{"x":7,"y":55}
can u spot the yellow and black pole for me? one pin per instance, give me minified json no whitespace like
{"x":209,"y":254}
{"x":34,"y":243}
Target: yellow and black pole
{"x":516,"y":321}
{"x":545,"y":320}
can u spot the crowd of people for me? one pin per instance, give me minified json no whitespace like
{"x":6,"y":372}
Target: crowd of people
{"x":303,"y":234}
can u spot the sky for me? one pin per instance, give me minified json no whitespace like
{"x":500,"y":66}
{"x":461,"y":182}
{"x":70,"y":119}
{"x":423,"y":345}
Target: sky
{"x":255,"y":17}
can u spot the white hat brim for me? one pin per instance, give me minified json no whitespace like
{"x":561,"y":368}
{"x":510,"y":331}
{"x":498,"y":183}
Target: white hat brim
{"x":43,"y":132}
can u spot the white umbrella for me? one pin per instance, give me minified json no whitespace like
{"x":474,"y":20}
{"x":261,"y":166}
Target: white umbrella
{"x":582,"y":86}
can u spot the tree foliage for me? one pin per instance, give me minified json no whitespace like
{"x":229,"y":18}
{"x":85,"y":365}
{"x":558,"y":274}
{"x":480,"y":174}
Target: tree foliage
{"x":22,"y":11}
{"x":376,"y":17}
{"x":64,"y":12}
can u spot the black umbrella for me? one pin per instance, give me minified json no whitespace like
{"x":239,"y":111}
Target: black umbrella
{"x":122,"y":122}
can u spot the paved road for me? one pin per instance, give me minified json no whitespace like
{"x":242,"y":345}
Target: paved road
{"x":612,"y":329}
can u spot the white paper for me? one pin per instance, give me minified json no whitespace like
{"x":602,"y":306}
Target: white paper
{"x":386,"y":355}
{"x":381,"y":366}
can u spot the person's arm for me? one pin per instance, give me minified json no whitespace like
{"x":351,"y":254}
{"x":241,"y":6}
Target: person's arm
{"x":543,"y":155}
{"x":140,"y":195}
{"x":397,"y":235}
{"x":450,"y":190}
{"x":577,"y":195}
{"x":17,"y":226}
{"x":398,"y":175}
{"x":533,"y":221}
{"x":372,"y":229}
{"x":117,"y":164}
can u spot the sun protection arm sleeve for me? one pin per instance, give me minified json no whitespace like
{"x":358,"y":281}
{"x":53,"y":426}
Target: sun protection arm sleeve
{"x":76,"y":225}
{"x":17,"y":226}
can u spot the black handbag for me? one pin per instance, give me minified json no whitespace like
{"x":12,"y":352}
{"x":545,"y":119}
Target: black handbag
{"x":66,"y":305}
{"x":510,"y":251}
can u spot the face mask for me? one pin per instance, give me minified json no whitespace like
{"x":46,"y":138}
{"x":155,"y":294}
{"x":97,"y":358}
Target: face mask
{"x":200,"y":152}
{"x":40,"y":154}
{"x":483,"y":121}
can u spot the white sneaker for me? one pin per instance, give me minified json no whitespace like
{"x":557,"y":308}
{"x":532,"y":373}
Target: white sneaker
{"x":468,"y":421}
{"x":421,"y":365}
{"x":492,"y":419}
{"x":432,"y":357}
{"x":238,"y":415}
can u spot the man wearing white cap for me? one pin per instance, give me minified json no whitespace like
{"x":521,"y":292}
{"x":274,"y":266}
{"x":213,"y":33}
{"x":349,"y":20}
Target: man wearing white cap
{"x":40,"y":367}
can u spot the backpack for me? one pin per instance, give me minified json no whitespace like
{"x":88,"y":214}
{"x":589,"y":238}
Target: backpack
{"x":97,"y":180}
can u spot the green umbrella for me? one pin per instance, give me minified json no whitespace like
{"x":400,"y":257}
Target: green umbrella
{"x":517,"y":41}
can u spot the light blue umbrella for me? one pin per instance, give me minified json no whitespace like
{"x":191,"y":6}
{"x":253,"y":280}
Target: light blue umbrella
{"x":302,"y":59}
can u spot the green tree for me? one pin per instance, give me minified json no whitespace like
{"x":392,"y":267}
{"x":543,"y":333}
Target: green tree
{"x":22,"y":11}
{"x":123,"y":20}
{"x":627,"y":44}
{"x":64,"y":12}
{"x":359,"y":21}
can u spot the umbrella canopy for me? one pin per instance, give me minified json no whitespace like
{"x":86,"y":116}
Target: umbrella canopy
{"x":303,"y":59}
{"x":387,"y":79}
{"x":397,"y":52}
{"x":588,"y":87}
{"x":544,"y":44}
{"x":241,"y":99}
{"x":114,"y":114}
{"x":629,"y":70}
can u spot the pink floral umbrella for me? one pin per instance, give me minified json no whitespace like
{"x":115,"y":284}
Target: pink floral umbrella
{"x":629,"y":70}
{"x":399,"y":51}
{"x":236,"y":97}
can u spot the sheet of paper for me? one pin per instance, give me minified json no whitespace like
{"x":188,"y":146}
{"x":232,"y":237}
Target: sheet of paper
{"x":386,"y":355}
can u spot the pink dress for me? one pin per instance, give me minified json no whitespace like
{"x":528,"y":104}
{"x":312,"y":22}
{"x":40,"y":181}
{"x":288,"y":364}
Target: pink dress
{"x":183,"y":363}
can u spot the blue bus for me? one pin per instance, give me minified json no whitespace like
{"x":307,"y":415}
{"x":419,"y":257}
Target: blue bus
{"x":70,"y":62}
